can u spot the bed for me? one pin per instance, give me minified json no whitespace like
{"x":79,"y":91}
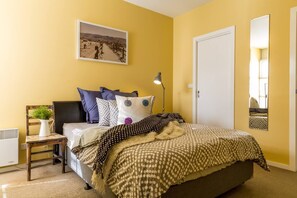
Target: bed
{"x":258,"y":118}
{"x":210,"y":185}
{"x":258,"y":122}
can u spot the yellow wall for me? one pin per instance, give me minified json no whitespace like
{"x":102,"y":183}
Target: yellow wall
{"x":38,"y":46}
{"x":219,"y":14}
{"x":38,"y":64}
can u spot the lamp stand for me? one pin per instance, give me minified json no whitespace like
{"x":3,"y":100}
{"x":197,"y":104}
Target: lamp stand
{"x":163,"y":107}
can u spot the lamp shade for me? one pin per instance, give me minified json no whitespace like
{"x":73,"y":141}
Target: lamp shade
{"x":158,"y":79}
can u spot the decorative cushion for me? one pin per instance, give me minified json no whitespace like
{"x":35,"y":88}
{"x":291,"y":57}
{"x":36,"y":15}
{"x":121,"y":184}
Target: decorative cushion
{"x":88,"y":100}
{"x":114,"y":112}
{"x":103,"y":109}
{"x":133,"y":109}
{"x":108,"y":94}
{"x":102,"y":89}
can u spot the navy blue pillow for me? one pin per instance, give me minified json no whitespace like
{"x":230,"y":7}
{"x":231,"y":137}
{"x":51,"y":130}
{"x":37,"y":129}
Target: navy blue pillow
{"x":110,"y":95}
{"x":102,"y":89}
{"x":88,"y":100}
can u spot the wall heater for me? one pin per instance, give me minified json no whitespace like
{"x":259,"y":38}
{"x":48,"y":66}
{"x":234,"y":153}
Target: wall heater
{"x":9,"y":147}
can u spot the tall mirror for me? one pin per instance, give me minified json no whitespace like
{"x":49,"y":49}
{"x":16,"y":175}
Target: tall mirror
{"x":259,"y":73}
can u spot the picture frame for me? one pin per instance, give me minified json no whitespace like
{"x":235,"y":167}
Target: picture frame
{"x":101,"y":43}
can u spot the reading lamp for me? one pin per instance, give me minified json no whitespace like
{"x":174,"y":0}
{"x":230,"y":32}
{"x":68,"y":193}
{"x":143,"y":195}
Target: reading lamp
{"x":158,"y":81}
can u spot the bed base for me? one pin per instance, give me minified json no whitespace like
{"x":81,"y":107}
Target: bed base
{"x":88,"y":187}
{"x":208,"y":186}
{"x":84,"y":172}
{"x":214,"y":184}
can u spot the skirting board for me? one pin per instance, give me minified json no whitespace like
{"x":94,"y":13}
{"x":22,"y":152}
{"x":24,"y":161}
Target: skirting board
{"x":279,"y":165}
{"x":20,"y":167}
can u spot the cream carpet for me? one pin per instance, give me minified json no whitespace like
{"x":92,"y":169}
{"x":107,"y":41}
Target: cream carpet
{"x":278,"y":183}
{"x":48,"y":181}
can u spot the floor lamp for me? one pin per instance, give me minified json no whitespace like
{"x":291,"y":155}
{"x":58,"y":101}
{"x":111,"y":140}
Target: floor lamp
{"x":158,"y":81}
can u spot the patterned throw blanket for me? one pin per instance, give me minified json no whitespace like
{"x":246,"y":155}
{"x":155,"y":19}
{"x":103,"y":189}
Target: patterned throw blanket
{"x":149,"y":169}
{"x":122,"y":132}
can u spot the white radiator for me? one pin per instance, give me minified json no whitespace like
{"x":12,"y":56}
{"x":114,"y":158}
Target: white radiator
{"x":9,"y":147}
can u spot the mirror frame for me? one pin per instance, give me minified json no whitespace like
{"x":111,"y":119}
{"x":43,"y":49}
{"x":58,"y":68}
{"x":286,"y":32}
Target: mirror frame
{"x":259,"y":117}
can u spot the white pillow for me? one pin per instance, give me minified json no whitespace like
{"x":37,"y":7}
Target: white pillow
{"x":113,"y":115}
{"x":104,"y":113}
{"x":134,"y":109}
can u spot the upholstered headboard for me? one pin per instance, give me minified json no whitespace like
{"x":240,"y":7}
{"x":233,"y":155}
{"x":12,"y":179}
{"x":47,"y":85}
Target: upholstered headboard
{"x":67,"y":112}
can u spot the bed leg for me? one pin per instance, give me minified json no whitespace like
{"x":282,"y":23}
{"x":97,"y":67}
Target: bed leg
{"x":87,"y":187}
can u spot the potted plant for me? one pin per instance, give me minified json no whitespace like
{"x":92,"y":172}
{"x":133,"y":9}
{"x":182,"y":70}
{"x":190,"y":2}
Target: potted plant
{"x":43,"y":114}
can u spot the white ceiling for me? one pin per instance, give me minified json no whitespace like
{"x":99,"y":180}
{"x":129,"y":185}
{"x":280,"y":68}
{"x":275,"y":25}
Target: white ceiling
{"x":170,"y":8}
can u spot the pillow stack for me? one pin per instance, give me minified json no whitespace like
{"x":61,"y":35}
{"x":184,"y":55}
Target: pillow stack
{"x":112,"y":107}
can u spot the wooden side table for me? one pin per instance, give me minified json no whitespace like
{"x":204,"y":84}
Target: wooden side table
{"x":36,"y":140}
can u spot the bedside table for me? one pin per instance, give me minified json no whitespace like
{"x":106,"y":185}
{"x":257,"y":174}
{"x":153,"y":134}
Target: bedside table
{"x":36,"y":140}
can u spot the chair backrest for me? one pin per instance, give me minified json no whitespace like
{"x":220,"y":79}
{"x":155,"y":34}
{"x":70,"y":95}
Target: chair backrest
{"x":31,"y":122}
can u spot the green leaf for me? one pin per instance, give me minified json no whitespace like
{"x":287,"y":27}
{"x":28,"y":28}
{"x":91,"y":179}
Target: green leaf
{"x":42,"y":113}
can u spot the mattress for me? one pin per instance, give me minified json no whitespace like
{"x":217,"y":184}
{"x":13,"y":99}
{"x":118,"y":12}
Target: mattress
{"x":70,"y":128}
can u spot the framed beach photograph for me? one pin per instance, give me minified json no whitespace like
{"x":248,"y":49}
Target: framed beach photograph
{"x":101,"y":43}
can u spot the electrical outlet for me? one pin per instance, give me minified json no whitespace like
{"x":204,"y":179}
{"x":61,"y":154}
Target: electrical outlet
{"x":23,"y":146}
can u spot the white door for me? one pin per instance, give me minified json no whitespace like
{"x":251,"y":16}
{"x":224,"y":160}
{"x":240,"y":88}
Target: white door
{"x":214,"y":78}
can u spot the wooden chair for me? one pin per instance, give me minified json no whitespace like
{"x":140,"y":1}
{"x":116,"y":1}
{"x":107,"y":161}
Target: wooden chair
{"x":32,"y":128}
{"x":33,"y":140}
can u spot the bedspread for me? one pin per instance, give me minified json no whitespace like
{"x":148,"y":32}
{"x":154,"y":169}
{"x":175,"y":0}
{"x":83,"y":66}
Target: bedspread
{"x":149,"y":169}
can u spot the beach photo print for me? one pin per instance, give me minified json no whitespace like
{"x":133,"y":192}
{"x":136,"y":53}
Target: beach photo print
{"x":101,"y":43}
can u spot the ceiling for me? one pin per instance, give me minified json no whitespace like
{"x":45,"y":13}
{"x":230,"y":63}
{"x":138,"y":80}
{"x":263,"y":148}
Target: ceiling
{"x":171,"y":8}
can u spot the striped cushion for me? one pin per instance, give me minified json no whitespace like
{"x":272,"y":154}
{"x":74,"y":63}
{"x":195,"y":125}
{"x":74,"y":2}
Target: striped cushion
{"x":104,"y":113}
{"x":114,"y":111}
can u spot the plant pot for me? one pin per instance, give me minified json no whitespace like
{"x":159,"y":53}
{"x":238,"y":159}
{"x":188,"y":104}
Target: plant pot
{"x":44,"y":128}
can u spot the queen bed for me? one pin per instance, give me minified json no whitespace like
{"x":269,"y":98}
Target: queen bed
{"x":70,"y":116}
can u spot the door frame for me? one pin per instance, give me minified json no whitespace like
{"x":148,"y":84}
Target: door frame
{"x":196,"y":40}
{"x":293,"y":65}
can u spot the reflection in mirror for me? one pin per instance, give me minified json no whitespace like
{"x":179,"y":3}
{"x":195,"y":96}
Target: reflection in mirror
{"x":259,"y":67}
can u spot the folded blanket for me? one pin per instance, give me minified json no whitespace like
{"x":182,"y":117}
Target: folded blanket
{"x":121,"y":132}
